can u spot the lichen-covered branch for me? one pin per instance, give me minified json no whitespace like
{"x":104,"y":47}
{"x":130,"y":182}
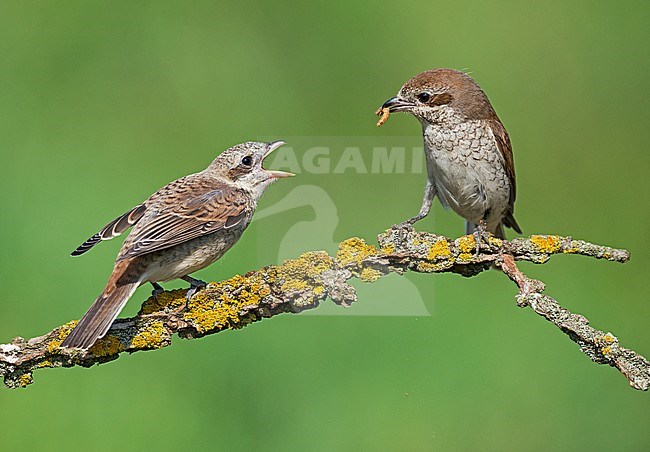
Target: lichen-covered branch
{"x":305,"y":282}
{"x":601,"y":347}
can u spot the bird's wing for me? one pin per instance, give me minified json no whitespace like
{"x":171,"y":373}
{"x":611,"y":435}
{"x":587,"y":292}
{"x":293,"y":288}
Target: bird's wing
{"x":504,"y":146}
{"x":112,"y":229}
{"x":184,"y":210}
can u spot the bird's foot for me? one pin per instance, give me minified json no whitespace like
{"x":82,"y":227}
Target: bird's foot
{"x":409,"y":223}
{"x":481,"y":236}
{"x":157,"y":290}
{"x":195,"y":286}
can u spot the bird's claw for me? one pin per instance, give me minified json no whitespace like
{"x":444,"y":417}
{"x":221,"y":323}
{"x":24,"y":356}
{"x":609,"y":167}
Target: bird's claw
{"x":409,"y":223}
{"x":403,"y":225}
{"x":192,"y":291}
{"x":480,"y":236}
{"x":195,"y":286}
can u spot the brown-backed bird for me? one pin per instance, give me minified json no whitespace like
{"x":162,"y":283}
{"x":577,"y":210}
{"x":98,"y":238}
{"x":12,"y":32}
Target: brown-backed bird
{"x":185,"y":226}
{"x":468,"y":152}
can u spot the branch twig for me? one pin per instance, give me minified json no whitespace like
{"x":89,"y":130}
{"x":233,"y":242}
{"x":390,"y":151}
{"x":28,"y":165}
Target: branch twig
{"x":303,"y":283}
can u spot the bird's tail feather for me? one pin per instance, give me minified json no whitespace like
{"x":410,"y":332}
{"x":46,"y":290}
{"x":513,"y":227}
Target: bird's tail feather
{"x":509,"y":220}
{"x":99,"y":318}
{"x":499,"y":232}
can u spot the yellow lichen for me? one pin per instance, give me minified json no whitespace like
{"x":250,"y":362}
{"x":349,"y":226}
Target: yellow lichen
{"x":609,"y":338}
{"x":150,"y":338}
{"x":169,"y":299}
{"x":63,"y":332}
{"x":25,"y":379}
{"x":495,"y":241}
{"x":370,"y":274}
{"x":106,"y":346}
{"x":294,"y":285}
{"x":207,"y":314}
{"x":439,"y":250}
{"x":351,"y":254}
{"x":606,"y":341}
{"x":547,"y":244}
{"x":220,"y":305}
{"x":221,"y":309}
{"x":45,"y":363}
{"x":426,"y":267}
{"x":388,"y":249}
{"x":354,"y":251}
{"x":298,"y":275}
{"x":466,"y":246}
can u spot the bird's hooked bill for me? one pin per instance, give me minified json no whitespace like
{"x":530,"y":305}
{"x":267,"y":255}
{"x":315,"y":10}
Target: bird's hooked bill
{"x":395,"y":104}
{"x":276,"y":173}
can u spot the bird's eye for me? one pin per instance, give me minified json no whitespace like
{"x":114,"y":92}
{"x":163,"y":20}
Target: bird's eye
{"x":247,"y":161}
{"x":424,"y":97}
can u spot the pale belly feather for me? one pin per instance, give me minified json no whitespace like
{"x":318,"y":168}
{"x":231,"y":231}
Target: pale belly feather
{"x":468,"y":171}
{"x":191,"y":256}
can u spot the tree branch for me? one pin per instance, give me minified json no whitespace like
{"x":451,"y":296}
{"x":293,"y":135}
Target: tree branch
{"x":303,"y":283}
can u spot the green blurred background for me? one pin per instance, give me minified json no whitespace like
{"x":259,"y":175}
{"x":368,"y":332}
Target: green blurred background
{"x":104,"y":102}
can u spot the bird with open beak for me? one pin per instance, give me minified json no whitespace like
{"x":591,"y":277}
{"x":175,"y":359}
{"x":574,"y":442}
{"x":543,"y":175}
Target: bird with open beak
{"x":185,"y":226}
{"x":469,"y":159}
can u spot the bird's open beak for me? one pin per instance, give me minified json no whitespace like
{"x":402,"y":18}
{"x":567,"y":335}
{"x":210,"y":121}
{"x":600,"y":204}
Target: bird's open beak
{"x":274,"y":173}
{"x":395,"y":104}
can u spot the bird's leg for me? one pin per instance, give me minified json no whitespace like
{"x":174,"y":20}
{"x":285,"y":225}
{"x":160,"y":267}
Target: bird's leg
{"x":157,"y":290}
{"x":480,"y":234}
{"x":429,"y":193}
{"x":195,"y":285}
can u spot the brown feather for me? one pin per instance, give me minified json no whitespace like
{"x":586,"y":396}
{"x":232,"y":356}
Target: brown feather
{"x":505,"y":147}
{"x":184,"y":210}
{"x":100,"y":316}
{"x":441,"y":99}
